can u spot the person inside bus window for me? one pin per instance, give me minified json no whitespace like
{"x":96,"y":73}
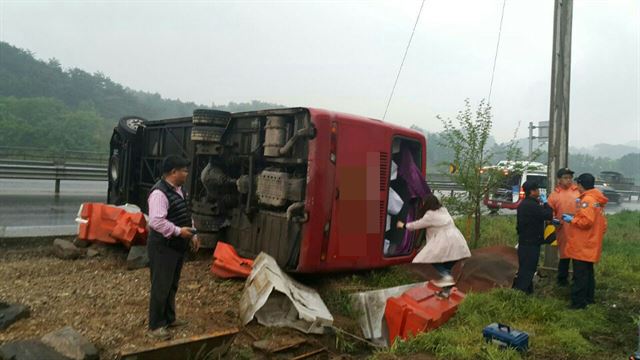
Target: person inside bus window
{"x":445,"y":244}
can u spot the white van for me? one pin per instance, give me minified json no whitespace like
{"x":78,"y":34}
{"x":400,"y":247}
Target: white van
{"x":510,"y":193}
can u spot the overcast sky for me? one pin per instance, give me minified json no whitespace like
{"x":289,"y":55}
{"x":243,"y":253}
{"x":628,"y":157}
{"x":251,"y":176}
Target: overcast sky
{"x":344,"y":55}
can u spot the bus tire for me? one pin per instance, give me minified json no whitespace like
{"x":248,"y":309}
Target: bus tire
{"x":210,"y":117}
{"x":206,"y":133}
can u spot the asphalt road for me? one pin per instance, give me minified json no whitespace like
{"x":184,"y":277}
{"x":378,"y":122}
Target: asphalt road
{"x":33,"y":202}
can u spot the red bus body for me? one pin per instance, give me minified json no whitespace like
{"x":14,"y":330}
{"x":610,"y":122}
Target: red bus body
{"x":350,"y":196}
{"x":341,"y":163}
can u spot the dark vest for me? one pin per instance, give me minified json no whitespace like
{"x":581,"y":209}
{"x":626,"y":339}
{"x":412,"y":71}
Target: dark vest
{"x":178,"y":213}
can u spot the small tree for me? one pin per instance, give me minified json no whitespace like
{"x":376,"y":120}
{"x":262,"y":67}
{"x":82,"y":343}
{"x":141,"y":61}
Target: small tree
{"x":467,"y":138}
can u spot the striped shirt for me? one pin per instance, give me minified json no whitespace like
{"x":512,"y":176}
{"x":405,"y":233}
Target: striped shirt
{"x":158,"y":208}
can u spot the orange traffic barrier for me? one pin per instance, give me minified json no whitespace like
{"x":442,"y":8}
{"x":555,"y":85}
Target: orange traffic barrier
{"x":228,"y":264}
{"x":109,"y":224}
{"x":420,"y":309}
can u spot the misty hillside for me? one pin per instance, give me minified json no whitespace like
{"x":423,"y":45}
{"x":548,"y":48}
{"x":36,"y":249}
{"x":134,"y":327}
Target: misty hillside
{"x":438,"y":156}
{"x":44,"y":105}
{"x":608,"y":150}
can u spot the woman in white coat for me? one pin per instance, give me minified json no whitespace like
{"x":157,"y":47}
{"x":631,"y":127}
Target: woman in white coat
{"x":445,"y":243}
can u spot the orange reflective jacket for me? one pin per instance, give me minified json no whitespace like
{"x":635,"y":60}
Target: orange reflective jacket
{"x":563,"y":201}
{"x":588,"y":227}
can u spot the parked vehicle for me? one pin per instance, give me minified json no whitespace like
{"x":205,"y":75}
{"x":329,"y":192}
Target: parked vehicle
{"x":610,"y":193}
{"x":615,"y":180}
{"x":509,"y":194}
{"x":309,"y":187}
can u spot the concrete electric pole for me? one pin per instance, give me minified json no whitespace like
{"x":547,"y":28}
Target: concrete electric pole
{"x":559,"y":105}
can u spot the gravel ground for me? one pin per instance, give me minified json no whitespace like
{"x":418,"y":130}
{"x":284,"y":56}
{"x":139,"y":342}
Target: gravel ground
{"x":104,"y":301}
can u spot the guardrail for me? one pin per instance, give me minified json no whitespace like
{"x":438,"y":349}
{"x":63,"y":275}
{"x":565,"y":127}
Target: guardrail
{"x":629,"y":194}
{"x":61,"y":156}
{"x":48,"y":170}
{"x":52,"y":170}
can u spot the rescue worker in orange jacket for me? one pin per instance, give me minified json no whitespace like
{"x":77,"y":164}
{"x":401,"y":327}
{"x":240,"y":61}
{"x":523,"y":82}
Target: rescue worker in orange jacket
{"x":584,"y":246}
{"x":563,"y":201}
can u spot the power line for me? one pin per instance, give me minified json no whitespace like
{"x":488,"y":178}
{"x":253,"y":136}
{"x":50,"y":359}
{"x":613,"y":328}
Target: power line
{"x":402,"y":63}
{"x":495,"y":58}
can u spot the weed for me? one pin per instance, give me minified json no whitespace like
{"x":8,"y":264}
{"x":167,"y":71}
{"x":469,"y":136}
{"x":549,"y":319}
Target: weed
{"x":241,"y":353}
{"x":344,"y":344}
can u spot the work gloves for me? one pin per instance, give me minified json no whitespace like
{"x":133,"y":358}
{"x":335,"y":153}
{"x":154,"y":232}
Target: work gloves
{"x":543,"y":198}
{"x":567,"y":218}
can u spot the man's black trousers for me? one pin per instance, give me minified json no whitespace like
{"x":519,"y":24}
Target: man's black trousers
{"x":165,"y":264}
{"x":563,"y":270}
{"x":528,"y":256}
{"x":584,"y":284}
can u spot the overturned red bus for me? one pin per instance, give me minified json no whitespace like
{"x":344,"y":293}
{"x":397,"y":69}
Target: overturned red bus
{"x":318,"y":190}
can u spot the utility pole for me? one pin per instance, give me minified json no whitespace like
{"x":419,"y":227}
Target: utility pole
{"x":559,"y":104}
{"x":530,"y":139}
{"x":543,"y":135}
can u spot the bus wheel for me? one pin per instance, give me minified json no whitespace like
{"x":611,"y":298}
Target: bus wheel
{"x":129,"y":125}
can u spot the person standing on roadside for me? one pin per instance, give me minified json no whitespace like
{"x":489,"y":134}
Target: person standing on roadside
{"x":563,"y":201}
{"x":170,"y":236}
{"x":584,"y":246}
{"x":532,"y":213}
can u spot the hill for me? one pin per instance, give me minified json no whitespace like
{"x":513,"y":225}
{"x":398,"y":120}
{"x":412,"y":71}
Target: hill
{"x":44,"y":105}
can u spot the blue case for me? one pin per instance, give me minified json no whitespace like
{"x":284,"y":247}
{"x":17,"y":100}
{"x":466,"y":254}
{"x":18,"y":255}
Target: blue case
{"x":503,"y":335}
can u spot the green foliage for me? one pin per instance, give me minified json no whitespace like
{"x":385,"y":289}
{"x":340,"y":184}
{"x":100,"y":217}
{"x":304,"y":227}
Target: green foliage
{"x":246,"y":106}
{"x":242,"y":352}
{"x":336,"y":291}
{"x":49,"y":123}
{"x":468,"y":139}
{"x":73,"y":108}
{"x":496,"y":230}
{"x":344,"y":344}
{"x":629,"y":164}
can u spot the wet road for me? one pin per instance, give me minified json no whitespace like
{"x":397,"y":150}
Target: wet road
{"x":33,"y":202}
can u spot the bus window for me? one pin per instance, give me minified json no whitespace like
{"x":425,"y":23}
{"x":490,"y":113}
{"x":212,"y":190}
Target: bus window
{"x":540,"y":179}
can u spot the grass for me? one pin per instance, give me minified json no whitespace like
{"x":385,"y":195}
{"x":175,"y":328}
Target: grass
{"x":605,"y":330}
{"x":494,"y":230}
{"x":336,"y":291}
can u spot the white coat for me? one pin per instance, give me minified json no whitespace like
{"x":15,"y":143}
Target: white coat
{"x":444,"y":241}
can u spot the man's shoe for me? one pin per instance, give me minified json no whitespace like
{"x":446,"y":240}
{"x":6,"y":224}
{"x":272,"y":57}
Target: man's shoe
{"x":577,"y":307}
{"x":160,"y":333}
{"x":178,"y":323}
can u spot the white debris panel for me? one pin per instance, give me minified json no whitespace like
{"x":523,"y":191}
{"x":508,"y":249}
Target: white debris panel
{"x":277,"y":300}
{"x":371,"y":305}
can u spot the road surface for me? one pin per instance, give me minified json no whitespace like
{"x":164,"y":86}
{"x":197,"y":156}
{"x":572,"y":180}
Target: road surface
{"x":33,"y":202}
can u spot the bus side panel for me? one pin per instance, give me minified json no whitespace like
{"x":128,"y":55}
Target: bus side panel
{"x":319,"y":195}
{"x":355,"y":235}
